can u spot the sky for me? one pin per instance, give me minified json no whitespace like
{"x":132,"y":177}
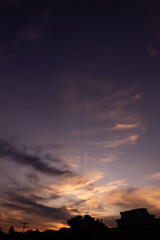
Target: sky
{"x":79,"y":110}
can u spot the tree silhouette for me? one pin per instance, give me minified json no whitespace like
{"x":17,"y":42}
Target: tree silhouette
{"x":11,"y":230}
{"x":1,"y":232}
{"x":87,"y":222}
{"x":76,"y":223}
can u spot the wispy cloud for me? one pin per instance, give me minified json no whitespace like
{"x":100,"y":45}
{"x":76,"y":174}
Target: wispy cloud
{"x":93,"y":197}
{"x":107,"y":104}
{"x":130,"y":140}
{"x":111,"y":117}
{"x":153,"y":49}
{"x":110,"y":158}
{"x":120,"y":126}
{"x":121,"y":198}
{"x":155,"y":176}
{"x":128,"y":198}
{"x":10,"y":153}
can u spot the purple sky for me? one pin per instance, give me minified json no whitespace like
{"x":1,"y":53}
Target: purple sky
{"x":79,"y":110}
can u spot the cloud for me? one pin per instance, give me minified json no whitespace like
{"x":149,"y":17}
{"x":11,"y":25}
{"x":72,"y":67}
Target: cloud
{"x":106,"y":114}
{"x":82,"y":197}
{"x":31,"y":207}
{"x":125,"y":126}
{"x":118,"y":198}
{"x":117,"y":105}
{"x":155,"y":176}
{"x":130,"y":140}
{"x":110,"y":158}
{"x":105,"y":104}
{"x":86,"y":189}
{"x":11,"y":153}
{"x":129,"y":198}
{"x":153,"y":49}
{"x":92,"y":197}
{"x":126,"y":141}
{"x":126,"y":198}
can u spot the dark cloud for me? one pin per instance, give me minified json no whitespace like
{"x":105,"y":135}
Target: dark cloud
{"x":33,"y":178}
{"x":30,"y":206}
{"x":11,"y":153}
{"x":75,"y":210}
{"x":79,"y":202}
{"x":36,"y":198}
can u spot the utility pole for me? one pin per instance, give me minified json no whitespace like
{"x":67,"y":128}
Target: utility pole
{"x":23,"y":225}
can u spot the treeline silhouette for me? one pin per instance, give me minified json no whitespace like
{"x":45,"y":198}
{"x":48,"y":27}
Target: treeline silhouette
{"x":136,"y":224}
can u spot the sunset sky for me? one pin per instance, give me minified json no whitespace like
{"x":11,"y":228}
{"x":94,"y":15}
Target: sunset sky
{"x":79,"y":110}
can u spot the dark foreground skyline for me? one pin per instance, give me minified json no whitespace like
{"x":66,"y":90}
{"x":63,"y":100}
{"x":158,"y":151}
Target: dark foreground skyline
{"x":79,"y":109}
{"x":134,"y":224}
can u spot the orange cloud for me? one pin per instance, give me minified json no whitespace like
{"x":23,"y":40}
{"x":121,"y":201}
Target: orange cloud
{"x":125,"y":126}
{"x":118,"y":142}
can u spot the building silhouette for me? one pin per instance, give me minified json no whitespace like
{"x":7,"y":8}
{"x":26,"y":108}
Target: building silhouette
{"x":137,"y":218}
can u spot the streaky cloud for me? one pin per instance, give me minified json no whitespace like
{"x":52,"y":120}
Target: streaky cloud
{"x":30,"y":206}
{"x":130,"y":140}
{"x":124,"y":126}
{"x":11,"y":153}
{"x":155,"y":176}
{"x":127,"y":198}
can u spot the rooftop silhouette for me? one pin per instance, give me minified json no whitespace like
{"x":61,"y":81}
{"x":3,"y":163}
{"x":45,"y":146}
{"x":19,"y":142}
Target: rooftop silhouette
{"x":137,"y":218}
